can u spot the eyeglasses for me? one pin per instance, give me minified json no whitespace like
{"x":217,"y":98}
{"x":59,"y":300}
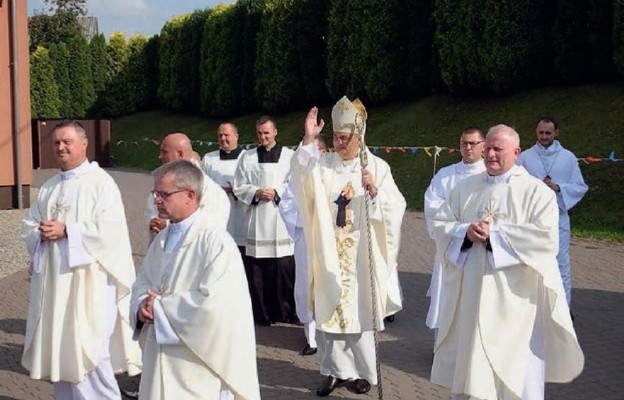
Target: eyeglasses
{"x":158,"y":195}
{"x":473,"y":144}
{"x":343,"y":139}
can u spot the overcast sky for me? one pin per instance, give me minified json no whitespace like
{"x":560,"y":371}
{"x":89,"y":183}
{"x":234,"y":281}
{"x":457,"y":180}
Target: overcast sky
{"x":135,"y":16}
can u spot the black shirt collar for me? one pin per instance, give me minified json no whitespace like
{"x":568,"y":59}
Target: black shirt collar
{"x":231,"y":155}
{"x":269,"y":156}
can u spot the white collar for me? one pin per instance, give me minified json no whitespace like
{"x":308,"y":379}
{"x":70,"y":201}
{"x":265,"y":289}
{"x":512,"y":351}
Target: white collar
{"x":74,"y":172}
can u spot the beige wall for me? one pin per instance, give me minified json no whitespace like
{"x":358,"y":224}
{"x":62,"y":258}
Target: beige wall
{"x":7,"y":164}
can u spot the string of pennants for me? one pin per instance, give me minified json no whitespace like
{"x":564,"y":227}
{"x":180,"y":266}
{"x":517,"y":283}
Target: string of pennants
{"x":431,"y":151}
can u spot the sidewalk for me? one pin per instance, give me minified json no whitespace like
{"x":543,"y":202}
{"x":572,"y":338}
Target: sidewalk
{"x":406,"y":345}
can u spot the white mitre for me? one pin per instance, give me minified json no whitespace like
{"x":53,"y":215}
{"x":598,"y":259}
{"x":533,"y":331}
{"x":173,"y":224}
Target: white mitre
{"x":349,"y":117}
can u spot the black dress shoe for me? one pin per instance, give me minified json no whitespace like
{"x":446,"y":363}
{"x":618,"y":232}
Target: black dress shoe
{"x":130,"y":394}
{"x":308,"y":351}
{"x":329,"y":385}
{"x":389,"y":318}
{"x":360,"y":386}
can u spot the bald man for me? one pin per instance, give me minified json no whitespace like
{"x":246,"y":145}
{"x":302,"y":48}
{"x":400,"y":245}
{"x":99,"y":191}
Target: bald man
{"x":504,"y":328}
{"x":177,"y":146}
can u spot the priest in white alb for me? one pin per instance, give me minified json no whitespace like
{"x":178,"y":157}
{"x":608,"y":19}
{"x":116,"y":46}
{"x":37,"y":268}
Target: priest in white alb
{"x":332,"y":190}
{"x":504,"y":328}
{"x":471,"y":148}
{"x":559,"y":169}
{"x":190,"y":302}
{"x":220,"y":165}
{"x":177,"y":146}
{"x":77,"y":332}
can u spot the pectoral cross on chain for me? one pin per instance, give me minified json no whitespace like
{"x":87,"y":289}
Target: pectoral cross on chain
{"x":491,"y":214}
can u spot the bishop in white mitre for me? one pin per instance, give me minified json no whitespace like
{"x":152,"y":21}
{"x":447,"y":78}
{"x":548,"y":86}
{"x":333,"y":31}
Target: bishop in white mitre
{"x":332,"y":192}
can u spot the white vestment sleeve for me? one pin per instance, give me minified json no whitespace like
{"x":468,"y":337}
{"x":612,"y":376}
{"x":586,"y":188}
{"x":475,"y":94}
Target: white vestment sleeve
{"x":36,"y":258}
{"x":453,"y":251}
{"x":572,"y":191}
{"x":309,"y":155}
{"x":503,"y":255}
{"x":433,"y":201}
{"x":76,"y":253}
{"x":134,"y":318}
{"x":164,"y":331}
{"x":289,"y":211}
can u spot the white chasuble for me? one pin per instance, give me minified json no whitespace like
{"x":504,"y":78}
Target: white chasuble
{"x":222,"y":172}
{"x":488,"y":318}
{"x":202,"y":285}
{"x":267,"y":236}
{"x":72,"y":277}
{"x":331,"y":200}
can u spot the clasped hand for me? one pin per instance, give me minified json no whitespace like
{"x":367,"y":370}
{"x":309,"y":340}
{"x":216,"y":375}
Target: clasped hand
{"x":146,"y":308}
{"x":265,"y":194}
{"x":51,"y":230}
{"x":478,"y":231}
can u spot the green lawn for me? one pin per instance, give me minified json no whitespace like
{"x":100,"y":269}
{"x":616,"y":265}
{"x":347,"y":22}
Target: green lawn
{"x":591,"y":122}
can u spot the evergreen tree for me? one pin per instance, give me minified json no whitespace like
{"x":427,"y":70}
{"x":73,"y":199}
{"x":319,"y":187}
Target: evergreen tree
{"x":81,"y":80}
{"x":59,"y":58}
{"x":44,"y":95}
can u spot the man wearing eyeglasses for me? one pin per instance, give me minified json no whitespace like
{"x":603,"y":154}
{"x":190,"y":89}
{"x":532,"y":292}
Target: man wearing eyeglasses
{"x":471,"y":148}
{"x":341,"y":195}
{"x":177,"y":146}
{"x":78,"y":332}
{"x":558,"y":168}
{"x":190,"y":303}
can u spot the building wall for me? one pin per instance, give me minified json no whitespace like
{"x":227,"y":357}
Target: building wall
{"x":7,"y":156}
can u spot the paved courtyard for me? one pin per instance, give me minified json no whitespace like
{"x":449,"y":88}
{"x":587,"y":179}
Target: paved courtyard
{"x":405,"y":347}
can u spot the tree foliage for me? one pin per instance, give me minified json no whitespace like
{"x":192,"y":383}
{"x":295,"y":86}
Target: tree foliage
{"x":75,"y":7}
{"x":99,"y":64}
{"x":180,"y":45}
{"x":44,"y":93}
{"x":337,"y":32}
{"x":81,"y":80}
{"x":618,"y":35}
{"x":311,"y":35}
{"x":277,"y":79}
{"x":44,"y":30}
{"x":221,"y":63}
{"x":59,"y":58}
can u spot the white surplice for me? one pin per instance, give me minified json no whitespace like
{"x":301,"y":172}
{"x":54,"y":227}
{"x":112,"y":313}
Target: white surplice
{"x":80,"y":286}
{"x":561,"y":165}
{"x":505,"y":309}
{"x":438,"y":191}
{"x":214,"y":200}
{"x":202,"y":342}
{"x":222,"y":172}
{"x":340,"y":292}
{"x":267,"y":236}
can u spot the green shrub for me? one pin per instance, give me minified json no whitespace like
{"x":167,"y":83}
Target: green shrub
{"x":44,"y":95}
